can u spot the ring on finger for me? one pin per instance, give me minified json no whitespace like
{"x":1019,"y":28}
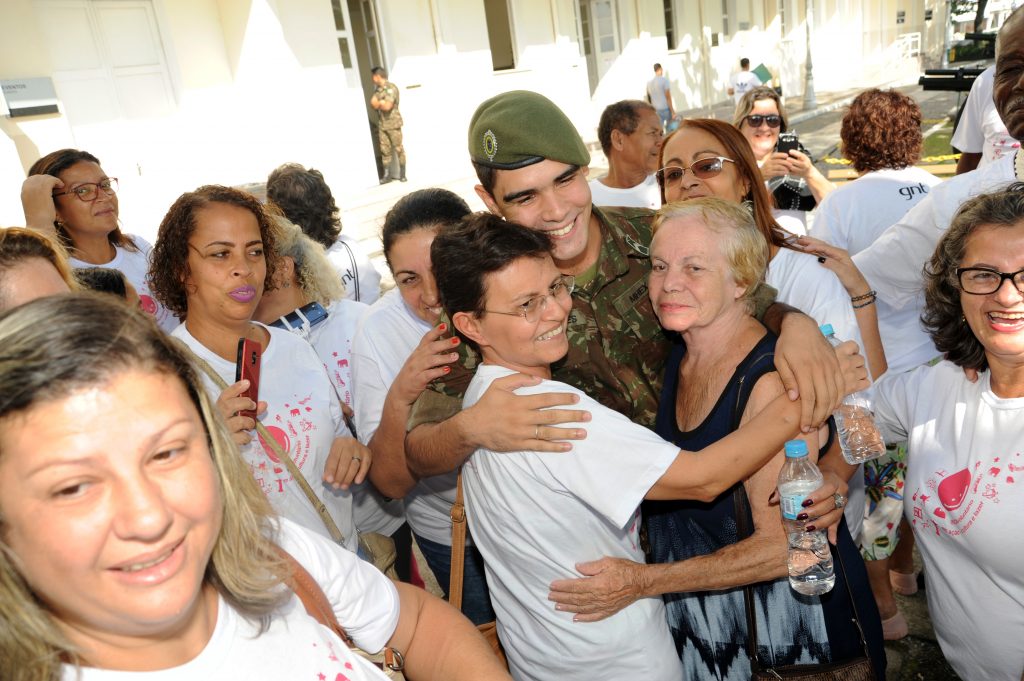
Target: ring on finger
{"x":357,"y":458}
{"x":536,"y":432}
{"x":840,"y":500}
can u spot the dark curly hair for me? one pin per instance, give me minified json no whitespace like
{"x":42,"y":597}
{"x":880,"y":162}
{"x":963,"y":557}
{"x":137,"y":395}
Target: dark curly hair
{"x":168,"y":262}
{"x":303,"y":196}
{"x":55,"y":163}
{"x":943,"y":316}
{"x":623,"y":116}
{"x":882,"y":129}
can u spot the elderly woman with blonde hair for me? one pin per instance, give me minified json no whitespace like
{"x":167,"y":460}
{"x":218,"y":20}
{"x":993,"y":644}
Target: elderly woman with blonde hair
{"x":308,"y":300}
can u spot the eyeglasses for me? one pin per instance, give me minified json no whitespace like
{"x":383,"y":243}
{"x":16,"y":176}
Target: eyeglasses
{"x":532,"y":308}
{"x":755,"y":120}
{"x":981,"y":281}
{"x":90,"y":190}
{"x":704,"y":169}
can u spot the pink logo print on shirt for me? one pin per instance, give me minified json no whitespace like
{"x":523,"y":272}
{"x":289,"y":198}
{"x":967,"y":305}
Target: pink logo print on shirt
{"x":280,"y":437}
{"x":147,"y":304}
{"x":961,"y":496}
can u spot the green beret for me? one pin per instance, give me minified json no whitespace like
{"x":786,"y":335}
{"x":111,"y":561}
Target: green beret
{"x":519,"y":128}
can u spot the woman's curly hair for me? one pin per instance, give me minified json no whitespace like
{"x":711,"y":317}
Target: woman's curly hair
{"x":882,"y":129}
{"x":168,"y":262}
{"x":305,"y":199}
{"x":943,"y":315}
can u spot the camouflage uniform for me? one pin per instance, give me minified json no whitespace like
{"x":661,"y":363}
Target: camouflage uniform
{"x":617,"y":348}
{"x":389,"y":124}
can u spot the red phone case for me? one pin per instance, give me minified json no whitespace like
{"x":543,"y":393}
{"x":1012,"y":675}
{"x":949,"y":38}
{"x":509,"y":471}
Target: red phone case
{"x":247,"y":366}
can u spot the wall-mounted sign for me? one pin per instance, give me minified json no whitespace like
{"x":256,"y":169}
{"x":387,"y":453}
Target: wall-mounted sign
{"x":901,"y":17}
{"x":28,"y":97}
{"x":927,"y":15}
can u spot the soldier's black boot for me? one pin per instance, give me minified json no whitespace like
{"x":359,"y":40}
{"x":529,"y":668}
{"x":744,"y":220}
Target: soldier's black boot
{"x":401,"y":173}
{"x":387,"y":175}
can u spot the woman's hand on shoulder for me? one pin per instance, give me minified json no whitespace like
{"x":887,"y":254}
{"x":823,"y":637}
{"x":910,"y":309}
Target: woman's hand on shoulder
{"x":230,"y":403}
{"x":837,"y":260}
{"x":428,"y":361}
{"x":348,"y":463}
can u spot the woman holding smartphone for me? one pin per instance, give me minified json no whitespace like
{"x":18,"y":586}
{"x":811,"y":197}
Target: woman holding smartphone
{"x":214,"y":258}
{"x":70,"y":198}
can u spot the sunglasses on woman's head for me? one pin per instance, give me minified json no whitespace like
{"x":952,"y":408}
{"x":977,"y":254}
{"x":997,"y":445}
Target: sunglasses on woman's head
{"x":704,"y":169}
{"x":755,"y":120}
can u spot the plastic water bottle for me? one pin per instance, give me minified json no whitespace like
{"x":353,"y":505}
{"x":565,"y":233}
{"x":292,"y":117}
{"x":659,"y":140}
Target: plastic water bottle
{"x":810,"y":559}
{"x":858,"y":435}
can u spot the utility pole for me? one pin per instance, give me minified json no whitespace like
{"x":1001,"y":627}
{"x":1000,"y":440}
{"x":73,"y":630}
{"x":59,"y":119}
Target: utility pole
{"x":810,"y":101}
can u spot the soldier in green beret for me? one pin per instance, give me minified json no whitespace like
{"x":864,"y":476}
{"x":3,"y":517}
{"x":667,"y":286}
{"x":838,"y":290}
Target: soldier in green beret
{"x":389,"y":123}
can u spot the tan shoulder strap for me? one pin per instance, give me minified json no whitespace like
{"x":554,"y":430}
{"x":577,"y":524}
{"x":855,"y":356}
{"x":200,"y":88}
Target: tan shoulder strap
{"x":458,"y":515}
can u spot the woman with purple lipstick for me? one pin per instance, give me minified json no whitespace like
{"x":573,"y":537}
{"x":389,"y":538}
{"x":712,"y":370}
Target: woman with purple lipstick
{"x":214,"y":257}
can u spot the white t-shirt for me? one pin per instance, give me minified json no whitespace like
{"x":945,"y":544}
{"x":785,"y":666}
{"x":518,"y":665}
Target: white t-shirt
{"x":980,"y":129}
{"x":303,"y":415}
{"x":135,"y":265}
{"x":647,"y":194}
{"x":801,"y":281}
{"x":294,"y":646}
{"x":742,"y":82}
{"x":853,"y":217}
{"x":386,"y":336}
{"x":332,"y":340}
{"x":357,"y":273}
{"x":893,"y":262}
{"x":964,"y":496}
{"x":535,"y":515}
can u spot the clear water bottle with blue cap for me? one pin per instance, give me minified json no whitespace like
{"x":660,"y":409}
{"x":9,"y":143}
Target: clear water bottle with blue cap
{"x":810,"y":558}
{"x":855,"y":420}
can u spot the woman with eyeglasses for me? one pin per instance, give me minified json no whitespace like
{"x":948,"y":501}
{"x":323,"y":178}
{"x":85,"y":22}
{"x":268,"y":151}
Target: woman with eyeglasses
{"x":706,"y":157}
{"x":68,"y":196}
{"x":535,"y":516}
{"x":964,"y":492}
{"x":794,"y":183}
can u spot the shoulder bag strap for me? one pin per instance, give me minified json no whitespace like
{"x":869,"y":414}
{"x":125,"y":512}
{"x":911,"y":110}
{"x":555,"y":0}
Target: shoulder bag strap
{"x":458,"y":515}
{"x":318,"y":505}
{"x":355,"y":266}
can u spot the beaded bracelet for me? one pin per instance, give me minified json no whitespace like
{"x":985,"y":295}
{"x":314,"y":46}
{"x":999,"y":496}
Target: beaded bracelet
{"x":869,"y":294}
{"x":870,"y":301}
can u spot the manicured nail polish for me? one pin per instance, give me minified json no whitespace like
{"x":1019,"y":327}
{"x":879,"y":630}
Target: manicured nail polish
{"x":455,"y":341}
{"x":443,"y":326}
{"x":807,"y":502}
{"x":447,"y":369}
{"x":809,"y":528}
{"x":801,"y":516}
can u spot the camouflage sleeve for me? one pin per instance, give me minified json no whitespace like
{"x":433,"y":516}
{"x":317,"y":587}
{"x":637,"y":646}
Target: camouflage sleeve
{"x":764,"y":296}
{"x":432,"y":407}
{"x":443,"y":397}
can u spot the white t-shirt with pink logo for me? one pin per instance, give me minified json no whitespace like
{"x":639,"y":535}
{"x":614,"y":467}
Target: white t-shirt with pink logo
{"x":134,"y":265}
{"x":964,"y":496}
{"x":304,"y":416}
{"x":294,"y":645}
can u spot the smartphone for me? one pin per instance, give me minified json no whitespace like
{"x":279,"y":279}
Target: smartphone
{"x":788,"y":141}
{"x":248,"y":367}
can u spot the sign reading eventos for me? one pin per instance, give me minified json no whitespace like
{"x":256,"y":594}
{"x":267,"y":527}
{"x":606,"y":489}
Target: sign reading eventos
{"x":28,"y":97}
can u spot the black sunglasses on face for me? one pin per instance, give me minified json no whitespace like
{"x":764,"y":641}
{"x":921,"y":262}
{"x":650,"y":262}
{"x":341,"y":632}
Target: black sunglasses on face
{"x":755,"y":120}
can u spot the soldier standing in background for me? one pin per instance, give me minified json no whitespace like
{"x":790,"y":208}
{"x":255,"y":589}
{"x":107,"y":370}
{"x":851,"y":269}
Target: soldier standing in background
{"x":389,"y":123}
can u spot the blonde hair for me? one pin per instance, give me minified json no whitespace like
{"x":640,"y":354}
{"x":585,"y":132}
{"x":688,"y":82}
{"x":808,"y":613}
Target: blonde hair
{"x":316,"y":276}
{"x":56,"y":345}
{"x":742,"y":244}
{"x":18,"y":244}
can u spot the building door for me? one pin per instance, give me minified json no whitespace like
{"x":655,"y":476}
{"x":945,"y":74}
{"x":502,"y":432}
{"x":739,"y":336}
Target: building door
{"x":365,"y":34}
{"x":108,"y":59}
{"x":600,"y":37}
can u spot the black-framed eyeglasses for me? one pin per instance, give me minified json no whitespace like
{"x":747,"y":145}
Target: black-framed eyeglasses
{"x":532,"y":308}
{"x":982,"y":281}
{"x":90,"y":190}
{"x":704,"y":169}
{"x":755,"y":120}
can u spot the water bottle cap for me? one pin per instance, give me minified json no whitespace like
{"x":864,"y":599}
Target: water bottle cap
{"x":795,"y":449}
{"x":827,"y":329}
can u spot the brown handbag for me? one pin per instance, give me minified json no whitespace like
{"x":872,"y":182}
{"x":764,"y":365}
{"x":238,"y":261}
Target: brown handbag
{"x":857,"y":669}
{"x":315,"y":601}
{"x":458,"y":515}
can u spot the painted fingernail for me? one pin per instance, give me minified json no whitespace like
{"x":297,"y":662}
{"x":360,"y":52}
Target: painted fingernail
{"x":807,"y":502}
{"x":809,"y":528}
{"x":821,"y":258}
{"x":801,"y":516}
{"x":455,"y":341}
{"x":443,"y":326}
{"x":447,"y":369}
